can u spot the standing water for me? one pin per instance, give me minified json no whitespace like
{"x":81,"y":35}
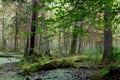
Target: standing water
{"x":5,"y":67}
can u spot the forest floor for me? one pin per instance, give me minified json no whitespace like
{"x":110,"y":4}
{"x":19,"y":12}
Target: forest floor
{"x":9,"y":70}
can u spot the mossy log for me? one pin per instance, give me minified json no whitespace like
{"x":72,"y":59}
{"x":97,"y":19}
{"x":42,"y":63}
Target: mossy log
{"x":53,"y":64}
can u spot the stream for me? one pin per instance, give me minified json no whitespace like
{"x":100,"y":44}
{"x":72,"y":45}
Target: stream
{"x":57,"y":74}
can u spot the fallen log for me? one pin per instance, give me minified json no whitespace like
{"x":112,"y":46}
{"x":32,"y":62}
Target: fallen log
{"x":53,"y":64}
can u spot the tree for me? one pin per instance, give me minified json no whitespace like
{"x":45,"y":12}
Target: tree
{"x":46,"y":46}
{"x":3,"y":27}
{"x":74,"y":40}
{"x":27,"y":29}
{"x":33,"y":28}
{"x":108,"y":44}
{"x":16,"y":27}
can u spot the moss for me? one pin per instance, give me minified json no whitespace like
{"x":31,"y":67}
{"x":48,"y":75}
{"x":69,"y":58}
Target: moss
{"x":45,"y":64}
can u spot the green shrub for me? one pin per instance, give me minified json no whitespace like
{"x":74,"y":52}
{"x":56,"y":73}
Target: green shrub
{"x":116,"y":54}
{"x":103,"y":72}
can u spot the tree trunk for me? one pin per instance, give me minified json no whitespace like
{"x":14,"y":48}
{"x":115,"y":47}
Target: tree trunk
{"x":3,"y":26}
{"x":41,"y":46}
{"x":107,"y":35}
{"x":80,"y":39}
{"x":33,"y":28}
{"x":27,"y":29}
{"x":74,"y":41}
{"x":80,"y":45}
{"x":27,"y":46}
{"x":65,"y":41}
{"x":3,"y":35}
{"x":46,"y":46}
{"x":16,"y":30}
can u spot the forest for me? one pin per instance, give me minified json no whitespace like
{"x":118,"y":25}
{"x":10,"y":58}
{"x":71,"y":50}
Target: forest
{"x":59,"y":39}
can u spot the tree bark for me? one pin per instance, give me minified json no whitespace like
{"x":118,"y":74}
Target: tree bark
{"x":33,"y":27}
{"x":27,"y":29}
{"x":16,"y":29}
{"x":3,"y":26}
{"x":80,"y":39}
{"x":65,"y":41}
{"x":74,"y":41}
{"x":107,"y":35}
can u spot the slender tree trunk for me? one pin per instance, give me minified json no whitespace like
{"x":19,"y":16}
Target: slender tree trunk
{"x":74,"y":41}
{"x":41,"y":46}
{"x":43,"y":24}
{"x":65,"y":41}
{"x":27,"y":29}
{"x":27,"y":43}
{"x":3,"y":26}
{"x":80,"y":45}
{"x":80,"y":39}
{"x":16,"y":31}
{"x":3,"y":35}
{"x":59,"y":42}
{"x":27,"y":46}
{"x":47,"y":51}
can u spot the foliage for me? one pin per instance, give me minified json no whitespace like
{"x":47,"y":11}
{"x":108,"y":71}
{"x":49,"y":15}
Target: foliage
{"x":116,"y":53}
{"x":102,"y":72}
